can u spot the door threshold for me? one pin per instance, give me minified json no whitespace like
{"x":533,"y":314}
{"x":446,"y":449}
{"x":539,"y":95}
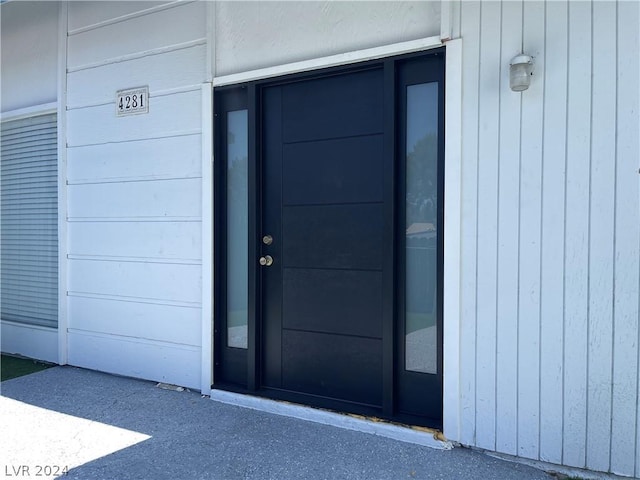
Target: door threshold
{"x":427,"y":437}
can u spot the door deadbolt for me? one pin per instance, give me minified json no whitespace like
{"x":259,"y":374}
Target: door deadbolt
{"x":266,"y":261}
{"x":267,"y":239}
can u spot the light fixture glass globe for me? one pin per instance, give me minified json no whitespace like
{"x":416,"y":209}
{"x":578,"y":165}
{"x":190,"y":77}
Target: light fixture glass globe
{"x":520,"y":73}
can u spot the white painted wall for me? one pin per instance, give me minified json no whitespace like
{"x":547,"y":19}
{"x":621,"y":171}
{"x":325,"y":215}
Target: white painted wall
{"x":551,"y":233}
{"x":253,"y":35}
{"x":29,"y":54}
{"x":134,"y":189}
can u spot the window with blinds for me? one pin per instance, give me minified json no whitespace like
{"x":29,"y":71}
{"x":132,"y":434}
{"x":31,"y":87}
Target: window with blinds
{"x":29,"y":221}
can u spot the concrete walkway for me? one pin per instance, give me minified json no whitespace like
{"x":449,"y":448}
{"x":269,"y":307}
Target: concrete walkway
{"x":102,"y":426}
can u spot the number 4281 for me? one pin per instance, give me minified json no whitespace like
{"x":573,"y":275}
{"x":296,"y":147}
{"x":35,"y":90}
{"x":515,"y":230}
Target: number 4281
{"x":129,"y":102}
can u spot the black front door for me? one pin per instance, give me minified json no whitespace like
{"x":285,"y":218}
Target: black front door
{"x":325,"y":208}
{"x":341,"y":236}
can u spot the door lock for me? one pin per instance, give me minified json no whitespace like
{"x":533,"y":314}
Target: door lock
{"x":266,"y":261}
{"x":267,"y":239}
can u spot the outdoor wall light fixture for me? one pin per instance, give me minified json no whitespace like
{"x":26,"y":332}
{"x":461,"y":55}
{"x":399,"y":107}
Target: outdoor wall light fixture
{"x":520,"y":71}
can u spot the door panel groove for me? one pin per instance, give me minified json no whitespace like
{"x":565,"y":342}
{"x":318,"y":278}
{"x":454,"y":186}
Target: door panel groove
{"x":294,"y":205}
{"x":293,"y":267}
{"x":330,"y":333}
{"x":329,"y":139}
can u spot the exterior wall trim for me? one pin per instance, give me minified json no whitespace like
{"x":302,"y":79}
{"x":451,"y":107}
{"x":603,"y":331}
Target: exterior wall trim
{"x":63,"y":318}
{"x":452,"y":234}
{"x":208,"y":267}
{"x":31,"y":341}
{"x":34,"y":111}
{"x":211,"y":42}
{"x":207,"y":240}
{"x":446,"y":20}
{"x":426,"y":437}
{"x":329,"y":61}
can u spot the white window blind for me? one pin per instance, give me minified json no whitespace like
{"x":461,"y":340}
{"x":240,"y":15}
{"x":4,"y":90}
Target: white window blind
{"x":29,"y":221}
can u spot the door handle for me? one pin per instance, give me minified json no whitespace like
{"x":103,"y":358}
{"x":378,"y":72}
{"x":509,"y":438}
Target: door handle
{"x":266,"y":261}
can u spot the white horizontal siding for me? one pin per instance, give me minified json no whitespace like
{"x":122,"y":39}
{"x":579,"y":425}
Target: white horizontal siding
{"x":154,"y":240}
{"x":134,"y":189}
{"x":136,"y":160}
{"x":169,"y":115}
{"x":140,"y":358}
{"x":550,"y":234}
{"x":159,"y":198}
{"x":98,"y":85}
{"x":136,"y":319}
{"x":87,"y":14}
{"x":159,"y":29}
{"x":173,"y":283}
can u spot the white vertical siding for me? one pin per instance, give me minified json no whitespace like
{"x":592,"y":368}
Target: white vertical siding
{"x":577,"y":234}
{"x":469,"y":24}
{"x":552,"y":230}
{"x":508,"y":222}
{"x":487,"y":206}
{"x":134,"y":199}
{"x":530,"y":221}
{"x":550,"y":233}
{"x":601,"y":234}
{"x":625,"y":426}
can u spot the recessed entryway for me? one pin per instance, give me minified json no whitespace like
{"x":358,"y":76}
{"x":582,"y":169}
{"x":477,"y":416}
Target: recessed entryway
{"x":329,"y":242}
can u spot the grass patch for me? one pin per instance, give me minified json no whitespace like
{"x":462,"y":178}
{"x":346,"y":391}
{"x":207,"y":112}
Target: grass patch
{"x":13,"y":367}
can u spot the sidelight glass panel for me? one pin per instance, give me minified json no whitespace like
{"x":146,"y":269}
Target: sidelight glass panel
{"x":237,"y":228}
{"x":421,"y":340}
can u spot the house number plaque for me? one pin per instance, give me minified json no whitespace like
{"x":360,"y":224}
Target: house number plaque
{"x":132,"y":101}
